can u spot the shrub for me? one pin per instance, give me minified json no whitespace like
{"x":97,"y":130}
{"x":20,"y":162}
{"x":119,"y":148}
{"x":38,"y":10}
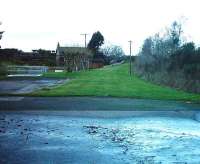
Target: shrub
{"x":3,"y":70}
{"x":166,"y":60}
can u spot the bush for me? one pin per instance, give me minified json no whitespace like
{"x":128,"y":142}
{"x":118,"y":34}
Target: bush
{"x":163,"y":60}
{"x":3,"y":70}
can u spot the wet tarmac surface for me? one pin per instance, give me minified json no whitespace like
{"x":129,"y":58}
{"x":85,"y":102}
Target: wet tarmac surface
{"x":48,"y":139}
{"x":10,"y":103}
{"x":17,"y":86}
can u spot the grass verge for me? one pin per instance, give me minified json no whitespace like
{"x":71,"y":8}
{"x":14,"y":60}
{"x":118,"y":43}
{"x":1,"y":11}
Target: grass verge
{"x":113,"y":81}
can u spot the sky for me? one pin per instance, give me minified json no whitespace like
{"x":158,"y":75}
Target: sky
{"x":34,"y":24}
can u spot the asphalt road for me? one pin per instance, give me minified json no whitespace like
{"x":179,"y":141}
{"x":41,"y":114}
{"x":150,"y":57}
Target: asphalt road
{"x":89,"y":130}
{"x":21,"y":85}
{"x":91,"y":103}
{"x":49,"y":139}
{"x":97,"y":106}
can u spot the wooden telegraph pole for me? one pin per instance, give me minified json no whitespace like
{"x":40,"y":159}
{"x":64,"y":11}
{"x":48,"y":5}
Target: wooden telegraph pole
{"x":85,"y":39}
{"x":130,"y":63}
{"x":1,"y":33}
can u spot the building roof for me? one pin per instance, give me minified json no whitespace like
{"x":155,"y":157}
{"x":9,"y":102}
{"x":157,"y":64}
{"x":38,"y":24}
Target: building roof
{"x":73,"y":50}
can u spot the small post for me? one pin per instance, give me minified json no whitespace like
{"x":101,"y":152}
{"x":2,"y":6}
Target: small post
{"x":130,"y":62}
{"x":85,"y":35}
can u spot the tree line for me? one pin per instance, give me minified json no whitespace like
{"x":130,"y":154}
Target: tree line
{"x":168,"y":59}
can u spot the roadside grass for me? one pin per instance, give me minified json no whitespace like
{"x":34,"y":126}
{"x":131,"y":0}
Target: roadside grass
{"x":112,"y":81}
{"x":2,"y":77}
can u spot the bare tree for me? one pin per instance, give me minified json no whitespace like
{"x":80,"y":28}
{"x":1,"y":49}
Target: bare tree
{"x":113,"y":50}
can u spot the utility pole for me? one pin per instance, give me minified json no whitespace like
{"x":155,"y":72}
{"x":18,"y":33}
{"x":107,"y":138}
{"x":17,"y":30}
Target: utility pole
{"x":85,"y":39}
{"x":130,"y":65}
{"x":1,"y":33}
